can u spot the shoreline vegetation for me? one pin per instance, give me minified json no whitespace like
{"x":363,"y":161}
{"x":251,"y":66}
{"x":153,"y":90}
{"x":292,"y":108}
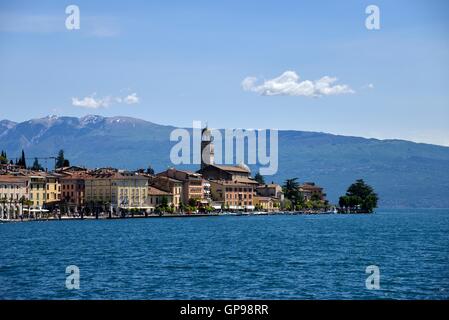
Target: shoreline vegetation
{"x":359,"y":198}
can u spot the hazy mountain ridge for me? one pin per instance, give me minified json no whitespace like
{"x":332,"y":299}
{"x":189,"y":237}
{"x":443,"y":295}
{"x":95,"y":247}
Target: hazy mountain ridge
{"x":405,"y":174}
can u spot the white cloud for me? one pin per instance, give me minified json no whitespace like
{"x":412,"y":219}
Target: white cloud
{"x":131,"y":99}
{"x":94,"y":103}
{"x":91,"y":102}
{"x":289,"y":84}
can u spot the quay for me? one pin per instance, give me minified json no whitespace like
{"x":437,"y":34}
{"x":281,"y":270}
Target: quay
{"x":163,"y":215}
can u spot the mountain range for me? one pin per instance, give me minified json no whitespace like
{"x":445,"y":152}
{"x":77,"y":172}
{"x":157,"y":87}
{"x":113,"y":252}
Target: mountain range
{"x":403,"y":173}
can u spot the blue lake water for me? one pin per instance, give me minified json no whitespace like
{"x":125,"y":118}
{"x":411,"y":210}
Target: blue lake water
{"x":256,"y":257}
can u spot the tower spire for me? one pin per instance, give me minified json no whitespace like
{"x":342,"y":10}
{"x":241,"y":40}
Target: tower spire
{"x":207,"y":147}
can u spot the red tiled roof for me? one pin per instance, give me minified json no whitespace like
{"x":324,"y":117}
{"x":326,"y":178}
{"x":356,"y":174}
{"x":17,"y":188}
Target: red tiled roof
{"x":12,"y":179}
{"x":231,"y":168}
{"x":152,"y":191}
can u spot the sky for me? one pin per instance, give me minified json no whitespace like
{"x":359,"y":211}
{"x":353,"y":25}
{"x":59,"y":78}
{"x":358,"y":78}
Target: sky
{"x":300,"y":65}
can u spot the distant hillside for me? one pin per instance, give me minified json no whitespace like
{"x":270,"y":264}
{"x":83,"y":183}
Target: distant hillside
{"x":405,"y":174}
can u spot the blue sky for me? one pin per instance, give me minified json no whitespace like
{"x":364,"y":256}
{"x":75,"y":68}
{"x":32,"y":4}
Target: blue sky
{"x":172,"y":62}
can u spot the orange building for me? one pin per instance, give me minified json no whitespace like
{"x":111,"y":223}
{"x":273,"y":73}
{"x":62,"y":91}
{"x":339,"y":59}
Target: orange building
{"x":192,"y":183}
{"x":73,"y":190}
{"x":231,"y":185}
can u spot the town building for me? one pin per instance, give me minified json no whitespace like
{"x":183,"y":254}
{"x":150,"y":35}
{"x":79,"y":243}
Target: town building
{"x":231,"y":185}
{"x":7,"y":168}
{"x":224,"y":172}
{"x":71,"y":170}
{"x":268,"y":204}
{"x":37,"y":185}
{"x":170,"y":185}
{"x":73,"y":191}
{"x":309,"y":190}
{"x":13,"y":191}
{"x":233,"y":195}
{"x":193,"y":185}
{"x":44,"y":189}
{"x":52,"y":189}
{"x":112,"y":190}
{"x":272,"y":190}
{"x":156,"y":198}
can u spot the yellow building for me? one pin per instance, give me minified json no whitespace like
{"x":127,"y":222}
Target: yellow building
{"x":45,"y":189}
{"x":52,"y":189}
{"x":267,"y":204}
{"x":37,"y":190}
{"x":115,"y":191}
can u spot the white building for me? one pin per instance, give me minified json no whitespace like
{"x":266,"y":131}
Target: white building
{"x":13,"y":189}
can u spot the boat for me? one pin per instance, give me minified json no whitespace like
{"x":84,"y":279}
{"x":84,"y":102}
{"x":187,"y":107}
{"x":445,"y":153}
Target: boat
{"x":227,"y":213}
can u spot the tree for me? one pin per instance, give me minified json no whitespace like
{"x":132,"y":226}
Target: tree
{"x":164,"y":202}
{"x":292,"y":193}
{"x":290,"y":187}
{"x":315,"y":197}
{"x":150,"y":170}
{"x":193,"y":202}
{"x":163,"y":207}
{"x":359,"y":188}
{"x":61,"y":161}
{"x":36,"y":165}
{"x":343,"y":202}
{"x":22,"y":161}
{"x":3,"y":158}
{"x":359,"y":197}
{"x":259,"y":178}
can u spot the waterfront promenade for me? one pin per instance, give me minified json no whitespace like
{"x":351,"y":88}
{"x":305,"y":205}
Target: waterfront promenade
{"x":162,"y":215}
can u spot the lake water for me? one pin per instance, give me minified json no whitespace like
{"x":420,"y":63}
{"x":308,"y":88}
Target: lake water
{"x":255,"y":257}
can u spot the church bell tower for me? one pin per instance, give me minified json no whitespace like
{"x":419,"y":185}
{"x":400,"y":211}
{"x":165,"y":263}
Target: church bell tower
{"x":207,"y":148}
